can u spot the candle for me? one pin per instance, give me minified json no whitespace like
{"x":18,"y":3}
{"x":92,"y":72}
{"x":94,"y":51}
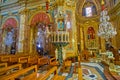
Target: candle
{"x":54,"y":36}
{"x":62,"y":37}
{"x":58,"y":37}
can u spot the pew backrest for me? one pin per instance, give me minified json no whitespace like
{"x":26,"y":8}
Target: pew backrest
{"x":32,"y":76}
{"x":49,"y":73}
{"x":3,"y":65}
{"x":5,"y":58}
{"x":19,"y":66}
{"x":45,"y":76}
{"x":23,"y":59}
{"x":43,"y":60}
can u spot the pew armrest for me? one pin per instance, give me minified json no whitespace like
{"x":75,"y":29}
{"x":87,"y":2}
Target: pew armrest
{"x":54,"y":62}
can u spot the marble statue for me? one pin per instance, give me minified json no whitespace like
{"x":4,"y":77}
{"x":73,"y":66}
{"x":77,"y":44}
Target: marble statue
{"x":40,"y":38}
{"x":9,"y":38}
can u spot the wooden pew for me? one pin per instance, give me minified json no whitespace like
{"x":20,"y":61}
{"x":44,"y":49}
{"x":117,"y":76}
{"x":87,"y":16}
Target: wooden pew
{"x":43,"y":61}
{"x":14,"y":59}
{"x":56,"y":76}
{"x":18,"y":58}
{"x":5,"y":58}
{"x":53,"y":62}
{"x":5,"y":69}
{"x":16,"y":75}
{"x":23,"y":59}
{"x":3,"y":65}
{"x":32,"y":60}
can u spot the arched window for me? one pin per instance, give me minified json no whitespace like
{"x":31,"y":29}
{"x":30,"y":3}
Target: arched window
{"x":89,"y":9}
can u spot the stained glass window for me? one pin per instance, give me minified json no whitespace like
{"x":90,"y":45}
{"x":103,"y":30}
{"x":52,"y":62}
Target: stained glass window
{"x":88,"y":11}
{"x":68,"y":24}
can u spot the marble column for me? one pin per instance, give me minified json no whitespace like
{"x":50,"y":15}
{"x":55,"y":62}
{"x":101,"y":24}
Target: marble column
{"x":21,"y":33}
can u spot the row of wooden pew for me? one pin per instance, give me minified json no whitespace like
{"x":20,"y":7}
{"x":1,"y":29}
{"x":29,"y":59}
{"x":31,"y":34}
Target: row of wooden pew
{"x":28,"y":59}
{"x":29,"y":73}
{"x":18,"y":72}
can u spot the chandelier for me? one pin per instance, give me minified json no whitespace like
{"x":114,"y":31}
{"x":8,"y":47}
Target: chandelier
{"x":106,"y":29}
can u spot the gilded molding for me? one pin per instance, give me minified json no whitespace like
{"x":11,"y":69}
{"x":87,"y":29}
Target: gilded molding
{"x":24,"y":11}
{"x":115,"y":9}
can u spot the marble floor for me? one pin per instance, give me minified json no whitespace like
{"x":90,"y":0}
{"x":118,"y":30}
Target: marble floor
{"x":91,"y":71}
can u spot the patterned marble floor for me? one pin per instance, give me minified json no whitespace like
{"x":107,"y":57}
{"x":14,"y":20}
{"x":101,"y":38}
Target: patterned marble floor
{"x":91,"y":71}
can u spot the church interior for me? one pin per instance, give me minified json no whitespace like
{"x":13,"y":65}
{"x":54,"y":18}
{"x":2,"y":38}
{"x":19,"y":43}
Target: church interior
{"x":59,"y":39}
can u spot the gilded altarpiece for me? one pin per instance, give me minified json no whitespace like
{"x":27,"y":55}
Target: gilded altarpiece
{"x":91,"y":40}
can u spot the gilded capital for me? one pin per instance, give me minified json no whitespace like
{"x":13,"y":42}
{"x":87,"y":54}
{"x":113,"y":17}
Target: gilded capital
{"x":24,"y":11}
{"x":39,"y":8}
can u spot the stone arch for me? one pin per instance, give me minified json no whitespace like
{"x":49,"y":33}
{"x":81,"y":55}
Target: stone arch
{"x":38,"y":20}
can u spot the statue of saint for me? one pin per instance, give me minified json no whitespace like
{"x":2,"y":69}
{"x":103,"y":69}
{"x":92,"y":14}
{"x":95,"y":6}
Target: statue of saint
{"x":40,"y":38}
{"x":9,"y":39}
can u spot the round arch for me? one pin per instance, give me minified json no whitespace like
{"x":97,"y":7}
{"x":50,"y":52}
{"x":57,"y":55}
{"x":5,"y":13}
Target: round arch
{"x":40,"y":17}
{"x":10,"y":22}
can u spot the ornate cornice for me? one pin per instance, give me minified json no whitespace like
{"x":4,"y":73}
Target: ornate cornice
{"x":82,"y":19}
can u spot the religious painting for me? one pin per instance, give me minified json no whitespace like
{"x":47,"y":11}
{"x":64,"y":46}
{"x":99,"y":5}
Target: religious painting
{"x":9,"y":37}
{"x":40,"y":41}
{"x":60,"y":25}
{"x":91,"y":40}
{"x":91,"y":33}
